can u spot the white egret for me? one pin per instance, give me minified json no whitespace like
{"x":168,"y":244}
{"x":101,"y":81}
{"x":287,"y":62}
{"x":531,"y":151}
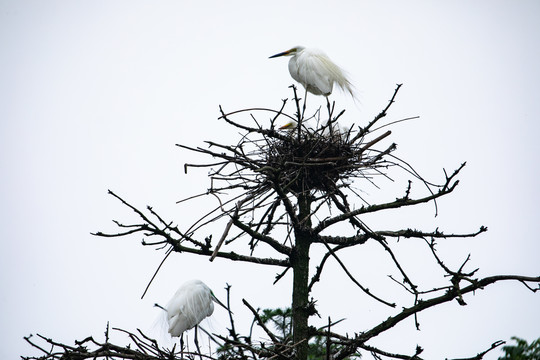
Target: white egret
{"x":315,"y":71}
{"x":191,"y":304}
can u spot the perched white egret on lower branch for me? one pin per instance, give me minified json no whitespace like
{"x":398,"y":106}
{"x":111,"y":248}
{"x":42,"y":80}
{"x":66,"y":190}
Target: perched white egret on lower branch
{"x":191,"y":304}
{"x":315,"y":71}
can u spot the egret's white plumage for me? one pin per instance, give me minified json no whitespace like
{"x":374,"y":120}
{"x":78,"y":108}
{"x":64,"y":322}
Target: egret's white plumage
{"x":315,"y":71}
{"x":191,"y":303}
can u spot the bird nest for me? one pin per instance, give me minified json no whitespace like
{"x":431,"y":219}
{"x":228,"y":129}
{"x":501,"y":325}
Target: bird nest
{"x":322,"y":159}
{"x":299,"y":160}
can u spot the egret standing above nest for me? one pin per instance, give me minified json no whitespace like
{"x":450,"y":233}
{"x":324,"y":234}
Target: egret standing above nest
{"x":315,"y":71}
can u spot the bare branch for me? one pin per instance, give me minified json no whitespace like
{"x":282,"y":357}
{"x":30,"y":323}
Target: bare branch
{"x":426,"y":304}
{"x":382,"y":114}
{"x":481,"y":355}
{"x":364,"y":289}
{"x":447,"y":188}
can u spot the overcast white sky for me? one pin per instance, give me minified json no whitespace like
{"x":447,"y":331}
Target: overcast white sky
{"x":94,"y":95}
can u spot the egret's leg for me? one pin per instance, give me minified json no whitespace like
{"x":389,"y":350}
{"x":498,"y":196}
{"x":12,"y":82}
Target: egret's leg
{"x":197,"y":341}
{"x":304,"y":108}
{"x":182,"y":346}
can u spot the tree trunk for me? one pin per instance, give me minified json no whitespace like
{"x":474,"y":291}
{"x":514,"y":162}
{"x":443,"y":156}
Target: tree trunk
{"x":300,"y":264}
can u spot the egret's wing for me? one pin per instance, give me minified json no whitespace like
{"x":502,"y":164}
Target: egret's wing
{"x":188,"y":307}
{"x":199,"y":304}
{"x":337,"y":75}
{"x":322,"y":73}
{"x":176,"y":317}
{"x":178,"y":324}
{"x":340,"y":78}
{"x":312,"y":73}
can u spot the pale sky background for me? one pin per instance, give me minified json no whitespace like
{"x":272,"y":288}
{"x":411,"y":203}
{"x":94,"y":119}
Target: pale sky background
{"x":94,"y":95}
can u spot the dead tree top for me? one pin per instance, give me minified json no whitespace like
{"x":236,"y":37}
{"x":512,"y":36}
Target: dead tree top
{"x":262,"y":185}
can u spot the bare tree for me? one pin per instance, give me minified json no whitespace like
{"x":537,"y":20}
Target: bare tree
{"x":280,"y":194}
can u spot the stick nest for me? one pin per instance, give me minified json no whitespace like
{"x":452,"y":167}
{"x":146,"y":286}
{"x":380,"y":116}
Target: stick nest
{"x":320,"y":160}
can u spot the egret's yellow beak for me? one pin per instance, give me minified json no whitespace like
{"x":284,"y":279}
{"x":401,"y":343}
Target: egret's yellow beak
{"x":290,"y":125}
{"x":285,"y":53}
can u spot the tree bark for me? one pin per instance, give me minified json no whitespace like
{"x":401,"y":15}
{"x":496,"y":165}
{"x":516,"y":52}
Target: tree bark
{"x":300,"y":265}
